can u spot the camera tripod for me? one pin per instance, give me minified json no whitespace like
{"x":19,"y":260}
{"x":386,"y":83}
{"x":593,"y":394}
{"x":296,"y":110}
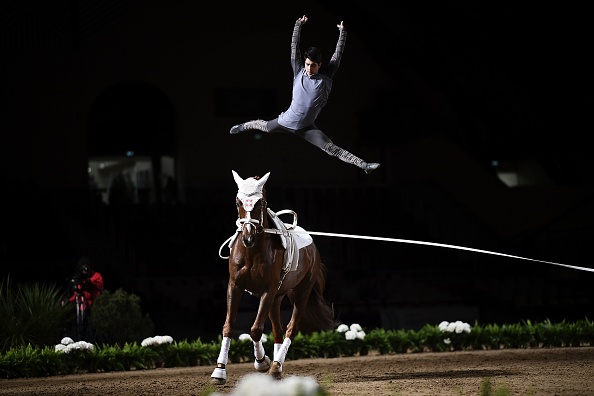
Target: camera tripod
{"x":81,"y":313}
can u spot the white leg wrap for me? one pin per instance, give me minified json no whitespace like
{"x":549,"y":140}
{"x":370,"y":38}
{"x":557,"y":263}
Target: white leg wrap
{"x":277,"y":347}
{"x":258,"y":350}
{"x":224,"y":354}
{"x":282,"y":352}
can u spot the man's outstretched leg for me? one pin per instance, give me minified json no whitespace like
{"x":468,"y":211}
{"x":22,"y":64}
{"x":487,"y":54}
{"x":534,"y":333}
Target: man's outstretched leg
{"x":349,"y":158}
{"x":260,"y":125}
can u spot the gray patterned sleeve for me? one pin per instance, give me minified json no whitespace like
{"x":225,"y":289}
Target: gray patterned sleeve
{"x":337,"y":56}
{"x":295,"y":52}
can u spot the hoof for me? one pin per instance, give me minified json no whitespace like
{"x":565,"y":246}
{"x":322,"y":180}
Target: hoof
{"x":218,"y":381}
{"x":262,"y":366}
{"x":219,"y":376}
{"x":276,"y":370}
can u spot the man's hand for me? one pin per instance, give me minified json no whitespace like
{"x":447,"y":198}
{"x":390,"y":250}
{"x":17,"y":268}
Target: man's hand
{"x":340,"y":25}
{"x":303,"y":19}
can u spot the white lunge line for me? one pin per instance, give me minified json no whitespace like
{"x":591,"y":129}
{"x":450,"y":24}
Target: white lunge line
{"x":438,"y":245}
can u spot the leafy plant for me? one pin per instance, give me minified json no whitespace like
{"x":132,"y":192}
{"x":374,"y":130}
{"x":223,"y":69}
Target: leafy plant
{"x":30,"y":313}
{"x":327,"y":343}
{"x":377,"y":340}
{"x":303,"y":346}
{"x":163,"y":351}
{"x":117,"y":318}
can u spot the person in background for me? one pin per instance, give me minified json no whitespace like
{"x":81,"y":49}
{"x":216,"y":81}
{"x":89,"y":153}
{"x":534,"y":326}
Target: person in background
{"x":311,"y":88}
{"x":89,"y":282}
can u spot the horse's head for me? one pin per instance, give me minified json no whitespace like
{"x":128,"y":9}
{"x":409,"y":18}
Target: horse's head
{"x":251,"y":207}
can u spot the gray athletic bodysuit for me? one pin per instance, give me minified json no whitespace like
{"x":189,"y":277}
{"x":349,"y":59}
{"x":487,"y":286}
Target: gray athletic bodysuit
{"x":310,"y":95}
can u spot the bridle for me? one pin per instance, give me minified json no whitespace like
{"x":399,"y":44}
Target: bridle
{"x":257,"y":223}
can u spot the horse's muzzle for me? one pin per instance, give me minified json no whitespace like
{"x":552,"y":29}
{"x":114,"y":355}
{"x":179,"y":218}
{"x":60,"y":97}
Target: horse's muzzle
{"x":248,"y":234}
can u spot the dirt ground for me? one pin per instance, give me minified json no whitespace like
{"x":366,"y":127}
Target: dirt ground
{"x":556,"y":371}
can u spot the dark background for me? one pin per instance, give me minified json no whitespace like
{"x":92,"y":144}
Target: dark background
{"x":448,"y":96}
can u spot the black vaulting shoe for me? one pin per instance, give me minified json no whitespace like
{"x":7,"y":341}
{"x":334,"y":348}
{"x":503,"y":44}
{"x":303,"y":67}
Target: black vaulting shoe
{"x":369,"y":167}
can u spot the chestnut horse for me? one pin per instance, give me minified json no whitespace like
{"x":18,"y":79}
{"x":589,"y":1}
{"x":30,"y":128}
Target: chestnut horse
{"x":257,"y":265}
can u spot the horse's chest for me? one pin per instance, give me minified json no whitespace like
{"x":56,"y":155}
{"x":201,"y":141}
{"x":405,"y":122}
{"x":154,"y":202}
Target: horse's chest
{"x":256,"y":279}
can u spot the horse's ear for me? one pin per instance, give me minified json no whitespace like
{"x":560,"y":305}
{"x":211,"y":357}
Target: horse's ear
{"x":238,"y":179}
{"x":263,"y":179}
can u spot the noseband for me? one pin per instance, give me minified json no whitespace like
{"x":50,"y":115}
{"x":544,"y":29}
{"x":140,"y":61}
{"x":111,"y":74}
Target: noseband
{"x":258,"y":223}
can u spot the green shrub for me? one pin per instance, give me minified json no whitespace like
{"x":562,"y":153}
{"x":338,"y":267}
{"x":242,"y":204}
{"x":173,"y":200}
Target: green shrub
{"x":36,"y":362}
{"x":30,"y":314}
{"x":117,"y":318}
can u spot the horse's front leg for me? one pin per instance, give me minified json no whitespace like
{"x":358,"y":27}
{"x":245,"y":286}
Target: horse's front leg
{"x":262,"y":362}
{"x":279,"y":344}
{"x":219,"y":375}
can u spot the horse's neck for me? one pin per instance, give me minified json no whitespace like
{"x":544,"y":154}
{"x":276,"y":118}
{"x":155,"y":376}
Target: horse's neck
{"x":265,"y":218}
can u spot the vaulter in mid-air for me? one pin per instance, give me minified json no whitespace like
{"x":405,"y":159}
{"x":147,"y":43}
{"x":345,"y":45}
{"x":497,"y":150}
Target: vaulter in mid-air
{"x":311,"y":89}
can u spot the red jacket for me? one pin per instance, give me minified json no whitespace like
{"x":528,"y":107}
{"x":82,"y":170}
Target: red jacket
{"x":91,"y":287}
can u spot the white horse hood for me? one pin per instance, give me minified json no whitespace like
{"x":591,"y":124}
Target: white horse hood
{"x":249,"y":190}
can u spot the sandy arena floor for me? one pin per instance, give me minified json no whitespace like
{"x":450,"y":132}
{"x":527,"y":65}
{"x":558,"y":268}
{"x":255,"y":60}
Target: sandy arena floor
{"x":557,"y":371}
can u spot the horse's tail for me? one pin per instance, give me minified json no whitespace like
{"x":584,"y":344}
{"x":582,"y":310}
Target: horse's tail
{"x":319,"y":312}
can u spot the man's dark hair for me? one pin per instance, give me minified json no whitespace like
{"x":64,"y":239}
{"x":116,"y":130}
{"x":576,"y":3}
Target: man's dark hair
{"x":313,"y":54}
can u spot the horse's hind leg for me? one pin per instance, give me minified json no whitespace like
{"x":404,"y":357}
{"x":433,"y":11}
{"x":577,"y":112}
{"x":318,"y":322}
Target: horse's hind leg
{"x":300,"y":296}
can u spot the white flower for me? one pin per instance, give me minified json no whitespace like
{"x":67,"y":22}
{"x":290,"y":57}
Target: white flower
{"x":71,"y":347}
{"x":350,"y":335}
{"x":247,"y":385}
{"x":451,"y":327}
{"x":157,"y":340}
{"x":351,"y":332}
{"x":294,"y":385}
{"x":244,"y":337}
{"x":264,"y":385}
{"x":454,"y":327}
{"x":66,"y":341}
{"x":163,"y":339}
{"x":60,"y":348}
{"x":79,"y":346}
